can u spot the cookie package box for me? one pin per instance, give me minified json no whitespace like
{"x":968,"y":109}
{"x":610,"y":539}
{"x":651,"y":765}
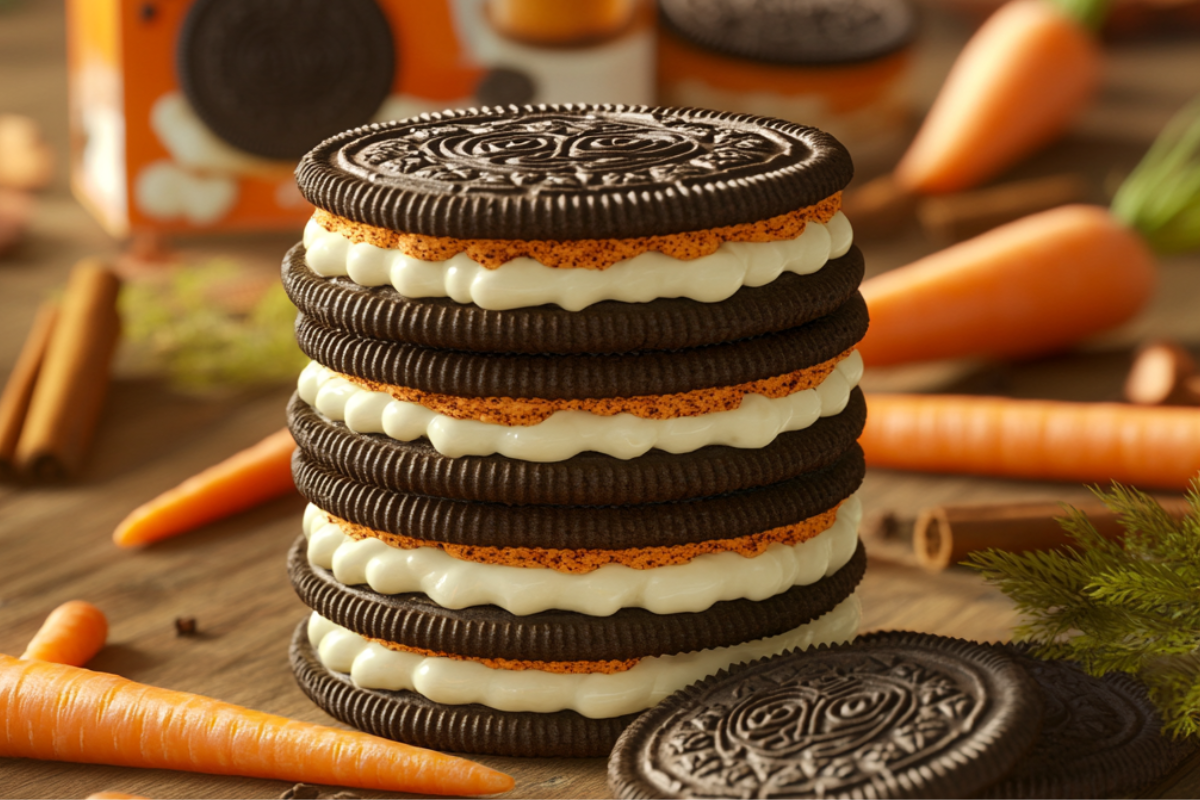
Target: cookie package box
{"x":190,"y":115}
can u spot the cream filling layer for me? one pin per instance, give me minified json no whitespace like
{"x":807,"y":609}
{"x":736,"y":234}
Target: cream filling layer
{"x":596,"y":695}
{"x":755,"y":423}
{"x":523,"y":282}
{"x":693,"y":586}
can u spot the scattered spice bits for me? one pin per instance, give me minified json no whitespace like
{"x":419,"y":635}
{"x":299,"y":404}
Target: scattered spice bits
{"x":185,"y":626}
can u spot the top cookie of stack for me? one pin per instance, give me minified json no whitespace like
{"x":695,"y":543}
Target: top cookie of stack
{"x":593,"y":368}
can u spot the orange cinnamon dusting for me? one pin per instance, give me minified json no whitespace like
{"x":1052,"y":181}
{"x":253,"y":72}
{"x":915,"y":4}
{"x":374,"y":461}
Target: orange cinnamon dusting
{"x":583,"y":561}
{"x":524,"y":411}
{"x":561,"y":667}
{"x":580,"y":253}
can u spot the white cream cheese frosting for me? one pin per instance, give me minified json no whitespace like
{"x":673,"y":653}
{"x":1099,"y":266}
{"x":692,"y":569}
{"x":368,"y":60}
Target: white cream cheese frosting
{"x":596,"y":695}
{"x":755,"y":423}
{"x":693,"y":586}
{"x":523,"y":282}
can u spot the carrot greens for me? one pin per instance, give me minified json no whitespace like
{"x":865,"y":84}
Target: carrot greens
{"x":211,"y":325}
{"x":1129,"y":605}
{"x":1161,"y":198}
{"x":1088,"y":13}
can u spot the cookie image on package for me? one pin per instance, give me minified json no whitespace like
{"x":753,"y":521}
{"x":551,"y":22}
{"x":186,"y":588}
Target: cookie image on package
{"x":579,"y":427}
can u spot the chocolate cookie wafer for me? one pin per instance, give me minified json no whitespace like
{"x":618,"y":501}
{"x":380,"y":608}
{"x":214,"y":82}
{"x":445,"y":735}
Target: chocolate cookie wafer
{"x":579,"y":376}
{"x":810,"y":32}
{"x":571,"y":172}
{"x":606,"y":327}
{"x":1100,"y":737}
{"x":589,"y":478}
{"x":892,"y":715}
{"x":724,"y":516}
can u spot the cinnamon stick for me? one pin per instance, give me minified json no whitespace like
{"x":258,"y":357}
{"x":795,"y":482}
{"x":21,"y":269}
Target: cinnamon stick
{"x":955,"y":217}
{"x":26,"y":160}
{"x":945,"y":535}
{"x":888,"y":537}
{"x":14,"y":402}
{"x":1163,"y":373}
{"x":16,"y":209}
{"x":74,"y":377}
{"x":879,"y":208}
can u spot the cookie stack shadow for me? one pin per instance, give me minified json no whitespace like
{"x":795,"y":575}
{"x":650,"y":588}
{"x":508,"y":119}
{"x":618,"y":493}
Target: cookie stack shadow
{"x":525,"y":527}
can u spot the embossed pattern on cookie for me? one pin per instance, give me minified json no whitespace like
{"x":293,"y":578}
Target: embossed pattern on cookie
{"x":893,"y":715}
{"x":572,"y":172}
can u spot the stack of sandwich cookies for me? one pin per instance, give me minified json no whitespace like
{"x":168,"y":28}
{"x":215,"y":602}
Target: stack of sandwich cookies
{"x":580,"y":424}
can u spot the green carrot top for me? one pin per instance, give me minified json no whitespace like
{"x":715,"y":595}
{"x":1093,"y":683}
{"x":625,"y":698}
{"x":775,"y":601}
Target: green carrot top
{"x":1088,"y":13}
{"x":1161,"y":197}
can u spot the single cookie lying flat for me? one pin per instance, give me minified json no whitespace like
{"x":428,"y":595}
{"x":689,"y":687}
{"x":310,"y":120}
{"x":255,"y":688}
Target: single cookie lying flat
{"x":1101,"y":737}
{"x":892,"y":715}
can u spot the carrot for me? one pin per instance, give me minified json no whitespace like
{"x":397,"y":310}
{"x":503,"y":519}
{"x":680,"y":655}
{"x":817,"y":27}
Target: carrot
{"x":1029,"y":287}
{"x":1017,"y":85}
{"x":109,"y":795}
{"x":253,"y":476}
{"x":72,"y":634}
{"x":62,"y":713}
{"x":1152,"y":447}
{"x":1049,"y":280}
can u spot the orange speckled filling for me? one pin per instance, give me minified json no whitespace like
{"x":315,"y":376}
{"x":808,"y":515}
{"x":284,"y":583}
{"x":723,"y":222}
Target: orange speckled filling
{"x":584,"y":561}
{"x":524,"y":411}
{"x":563,"y":667}
{"x":581,"y":253}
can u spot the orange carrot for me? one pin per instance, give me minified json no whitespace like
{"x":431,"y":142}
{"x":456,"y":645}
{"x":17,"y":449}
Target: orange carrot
{"x":1046,"y":281}
{"x":1152,"y":447}
{"x":114,"y":796}
{"x":72,"y":634}
{"x":244,"y":480}
{"x":61,"y":713}
{"x":1029,"y":287}
{"x":1016,"y":86}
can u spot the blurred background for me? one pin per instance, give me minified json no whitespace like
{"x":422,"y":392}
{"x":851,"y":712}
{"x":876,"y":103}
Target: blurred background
{"x":147,"y":132}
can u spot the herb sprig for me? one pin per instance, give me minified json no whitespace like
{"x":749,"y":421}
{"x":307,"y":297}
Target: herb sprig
{"x":209,"y":326}
{"x":1130,"y":604}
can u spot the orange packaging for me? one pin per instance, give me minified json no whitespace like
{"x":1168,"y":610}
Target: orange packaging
{"x":839,"y":65}
{"x":189,"y":115}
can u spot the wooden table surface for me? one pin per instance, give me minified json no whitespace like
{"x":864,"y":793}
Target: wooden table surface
{"x":230,"y":576}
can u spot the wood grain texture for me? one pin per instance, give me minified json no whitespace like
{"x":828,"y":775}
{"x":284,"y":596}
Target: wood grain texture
{"x":55,"y":542}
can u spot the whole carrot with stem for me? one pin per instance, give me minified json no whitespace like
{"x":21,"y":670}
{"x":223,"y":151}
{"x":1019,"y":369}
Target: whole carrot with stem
{"x":1150,"y":447}
{"x":1049,"y":280}
{"x":1017,"y":85}
{"x":71,"y":634}
{"x":244,"y":480}
{"x":62,"y":713}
